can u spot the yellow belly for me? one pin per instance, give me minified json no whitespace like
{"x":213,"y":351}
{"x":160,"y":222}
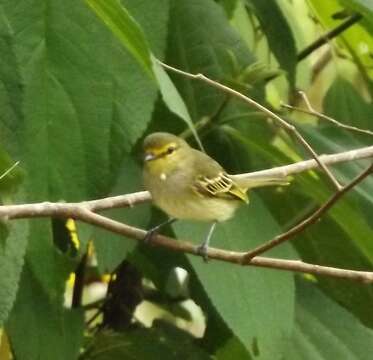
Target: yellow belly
{"x":180,"y":201}
{"x":201,"y":209}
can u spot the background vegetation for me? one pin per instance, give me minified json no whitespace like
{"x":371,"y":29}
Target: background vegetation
{"x":78,"y":92}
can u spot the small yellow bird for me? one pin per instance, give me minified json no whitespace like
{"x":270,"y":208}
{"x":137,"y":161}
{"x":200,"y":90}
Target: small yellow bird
{"x":188,"y":184}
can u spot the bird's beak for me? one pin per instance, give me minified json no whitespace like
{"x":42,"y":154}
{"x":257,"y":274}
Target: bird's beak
{"x":149,"y":156}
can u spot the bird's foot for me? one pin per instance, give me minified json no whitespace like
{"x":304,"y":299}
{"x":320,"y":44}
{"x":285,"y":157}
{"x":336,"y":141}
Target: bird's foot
{"x":154,"y":231}
{"x":202,"y":251}
{"x":150,"y":235}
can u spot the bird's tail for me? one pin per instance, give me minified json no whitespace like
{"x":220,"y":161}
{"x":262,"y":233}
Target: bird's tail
{"x":250,"y":182}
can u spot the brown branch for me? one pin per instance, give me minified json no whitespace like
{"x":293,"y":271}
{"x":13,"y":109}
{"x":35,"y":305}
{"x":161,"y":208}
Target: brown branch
{"x":311,"y":219}
{"x":311,"y":111}
{"x":82,"y":213}
{"x":285,"y":125}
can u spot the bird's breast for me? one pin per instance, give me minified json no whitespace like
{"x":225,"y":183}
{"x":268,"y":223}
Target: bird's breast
{"x":180,"y":201}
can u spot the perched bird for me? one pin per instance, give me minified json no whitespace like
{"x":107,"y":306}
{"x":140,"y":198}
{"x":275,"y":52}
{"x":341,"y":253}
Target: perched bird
{"x":188,"y":184}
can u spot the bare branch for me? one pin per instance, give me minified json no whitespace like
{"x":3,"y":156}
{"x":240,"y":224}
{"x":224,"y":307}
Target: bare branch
{"x":82,"y":213}
{"x":311,"y":111}
{"x":301,"y":166}
{"x":263,"y":109}
{"x":311,"y":219}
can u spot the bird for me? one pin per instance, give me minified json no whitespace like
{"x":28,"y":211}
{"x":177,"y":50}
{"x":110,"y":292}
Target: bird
{"x":188,"y":184}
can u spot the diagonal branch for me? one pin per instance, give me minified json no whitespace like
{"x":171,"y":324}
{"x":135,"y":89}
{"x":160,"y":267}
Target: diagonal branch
{"x":285,"y":125}
{"x":325,"y":38}
{"x":311,"y":111}
{"x":311,"y":219}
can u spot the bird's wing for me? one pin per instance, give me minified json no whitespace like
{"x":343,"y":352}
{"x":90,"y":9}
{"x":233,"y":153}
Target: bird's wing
{"x":221,"y":186}
{"x":213,"y":181}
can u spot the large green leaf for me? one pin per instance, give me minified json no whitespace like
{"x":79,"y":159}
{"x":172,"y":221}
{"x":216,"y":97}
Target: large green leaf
{"x":111,"y":248}
{"x":82,"y":107}
{"x":329,"y":245}
{"x":326,"y":331}
{"x":202,"y":41}
{"x":343,"y":102}
{"x":13,"y":236}
{"x":85,"y":102}
{"x":172,"y":98}
{"x":264,"y":298}
{"x":162,"y":342}
{"x":13,"y":242}
{"x":54,"y":330}
{"x":125,"y":28}
{"x":344,"y":239}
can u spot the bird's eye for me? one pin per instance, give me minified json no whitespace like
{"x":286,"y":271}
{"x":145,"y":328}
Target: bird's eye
{"x":171,"y":149}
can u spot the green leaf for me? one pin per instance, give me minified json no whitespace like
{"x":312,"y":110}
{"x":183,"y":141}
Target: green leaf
{"x":232,"y":349}
{"x":111,"y":248}
{"x":54,"y":330}
{"x":324,"y":330}
{"x":278,"y":32}
{"x":124,"y":26}
{"x":13,"y":242}
{"x":75,"y":94}
{"x":120,"y":23}
{"x":10,"y":87}
{"x":83,"y":110}
{"x":264,"y":298}
{"x":343,"y":102}
{"x":85,"y":103}
{"x":13,"y":236}
{"x":365,"y":7}
{"x":202,"y":41}
{"x":166,"y":341}
{"x":326,"y":243}
{"x":172,"y":98}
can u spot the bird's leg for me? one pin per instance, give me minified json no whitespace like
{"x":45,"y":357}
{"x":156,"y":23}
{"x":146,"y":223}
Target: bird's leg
{"x":202,"y":249}
{"x":154,"y":231}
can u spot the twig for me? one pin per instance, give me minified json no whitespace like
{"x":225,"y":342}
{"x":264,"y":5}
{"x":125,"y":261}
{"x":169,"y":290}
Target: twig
{"x":129,"y":200}
{"x":9,"y":170}
{"x":80,"y":212}
{"x":301,"y":166}
{"x":323,"y":39}
{"x":311,"y":219}
{"x":263,"y":109}
{"x":311,"y":111}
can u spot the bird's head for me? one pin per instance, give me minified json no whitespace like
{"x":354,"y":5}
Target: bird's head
{"x":163,"y":152}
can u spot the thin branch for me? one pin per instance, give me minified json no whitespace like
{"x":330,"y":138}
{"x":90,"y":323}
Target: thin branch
{"x":263,"y":109}
{"x":301,"y":166}
{"x":311,"y":111}
{"x":325,"y":38}
{"x":129,"y":200}
{"x":81,"y":213}
{"x":311,"y":219}
{"x":9,"y":170}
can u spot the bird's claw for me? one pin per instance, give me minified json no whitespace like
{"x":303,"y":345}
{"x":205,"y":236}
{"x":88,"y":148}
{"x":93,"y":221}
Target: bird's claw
{"x":149,"y":236}
{"x":202,"y":251}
